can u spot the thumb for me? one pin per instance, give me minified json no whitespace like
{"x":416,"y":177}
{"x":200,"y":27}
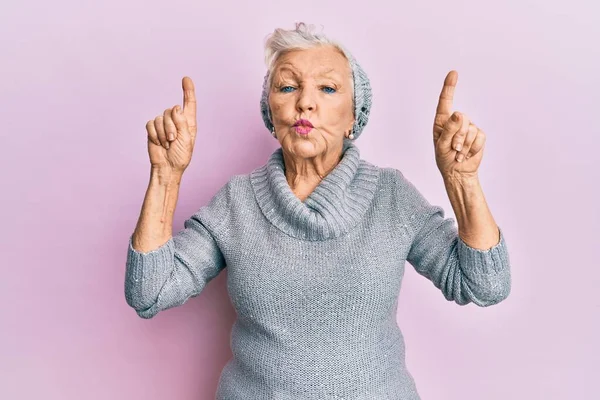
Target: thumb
{"x":451,"y":127}
{"x":180,"y":121}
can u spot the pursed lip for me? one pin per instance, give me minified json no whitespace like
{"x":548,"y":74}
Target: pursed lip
{"x":303,"y":122}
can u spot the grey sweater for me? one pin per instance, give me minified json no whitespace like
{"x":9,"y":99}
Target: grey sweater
{"x":315,"y":284}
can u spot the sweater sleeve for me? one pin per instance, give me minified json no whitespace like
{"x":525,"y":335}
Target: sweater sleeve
{"x":179,"y":269}
{"x":463,"y":274}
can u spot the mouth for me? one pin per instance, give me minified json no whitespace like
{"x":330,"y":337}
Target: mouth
{"x":303,"y":126}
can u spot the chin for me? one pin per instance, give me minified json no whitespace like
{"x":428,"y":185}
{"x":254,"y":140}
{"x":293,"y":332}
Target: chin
{"x":304,"y":147}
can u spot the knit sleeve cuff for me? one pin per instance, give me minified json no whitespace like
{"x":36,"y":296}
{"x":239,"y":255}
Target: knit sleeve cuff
{"x":492,"y":260}
{"x":149,"y":265}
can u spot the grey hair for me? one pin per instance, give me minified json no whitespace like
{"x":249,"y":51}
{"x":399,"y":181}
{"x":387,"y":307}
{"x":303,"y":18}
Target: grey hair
{"x":305,"y":36}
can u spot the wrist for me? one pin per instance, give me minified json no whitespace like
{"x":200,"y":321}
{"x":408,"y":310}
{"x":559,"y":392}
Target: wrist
{"x":165,"y":176}
{"x":465,"y":181}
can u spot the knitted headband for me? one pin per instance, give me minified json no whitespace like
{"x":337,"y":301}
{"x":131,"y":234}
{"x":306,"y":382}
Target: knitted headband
{"x":362,"y":99}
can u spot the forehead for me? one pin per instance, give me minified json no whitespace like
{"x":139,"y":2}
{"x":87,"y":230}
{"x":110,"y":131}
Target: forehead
{"x":317,"y":61}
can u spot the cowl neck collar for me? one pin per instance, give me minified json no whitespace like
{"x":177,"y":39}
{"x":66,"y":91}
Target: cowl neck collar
{"x":336,"y":205}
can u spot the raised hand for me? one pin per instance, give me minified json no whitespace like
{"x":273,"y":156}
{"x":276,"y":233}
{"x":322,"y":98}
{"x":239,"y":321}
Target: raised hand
{"x":458,"y":142}
{"x":171,"y":136}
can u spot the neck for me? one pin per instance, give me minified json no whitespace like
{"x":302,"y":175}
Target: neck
{"x":336,"y":204}
{"x":304,"y":174}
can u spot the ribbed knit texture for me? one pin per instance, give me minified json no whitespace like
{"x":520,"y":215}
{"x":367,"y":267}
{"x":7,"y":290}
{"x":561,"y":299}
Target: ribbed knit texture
{"x":315,"y":284}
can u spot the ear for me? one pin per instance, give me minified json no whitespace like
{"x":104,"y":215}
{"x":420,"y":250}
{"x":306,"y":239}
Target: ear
{"x":349,"y":128}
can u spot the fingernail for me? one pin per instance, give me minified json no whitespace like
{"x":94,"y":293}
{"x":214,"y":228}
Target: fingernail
{"x":171,"y":136}
{"x":460,"y":157}
{"x":167,"y":145}
{"x":455,"y":117}
{"x":459,"y":147}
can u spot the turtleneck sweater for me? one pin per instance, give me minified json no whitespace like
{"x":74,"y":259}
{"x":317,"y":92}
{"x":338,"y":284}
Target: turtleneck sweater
{"x":315,"y":283}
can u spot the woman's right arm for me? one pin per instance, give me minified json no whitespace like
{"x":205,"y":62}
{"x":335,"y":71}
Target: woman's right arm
{"x":162,"y":270}
{"x":171,"y":139}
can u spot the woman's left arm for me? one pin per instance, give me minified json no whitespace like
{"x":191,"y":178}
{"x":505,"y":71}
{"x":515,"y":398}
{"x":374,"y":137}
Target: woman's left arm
{"x":459,"y":145}
{"x":471,"y":265}
{"x":465,"y":271}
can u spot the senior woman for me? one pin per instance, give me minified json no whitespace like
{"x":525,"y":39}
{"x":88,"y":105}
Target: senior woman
{"x":316,"y":239}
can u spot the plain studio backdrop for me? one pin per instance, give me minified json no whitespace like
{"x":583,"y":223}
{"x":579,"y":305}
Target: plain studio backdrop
{"x":79,"y":80}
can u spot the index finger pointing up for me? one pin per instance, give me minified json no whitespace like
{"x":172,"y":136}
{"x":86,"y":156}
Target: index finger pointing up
{"x":189,"y":97}
{"x":444,"y":106}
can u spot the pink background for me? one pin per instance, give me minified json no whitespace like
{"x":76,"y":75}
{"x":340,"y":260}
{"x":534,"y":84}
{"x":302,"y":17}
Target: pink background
{"x":80,"y":79}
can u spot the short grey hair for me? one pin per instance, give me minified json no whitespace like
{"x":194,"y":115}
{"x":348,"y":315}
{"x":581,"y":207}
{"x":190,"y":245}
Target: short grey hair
{"x":305,"y":36}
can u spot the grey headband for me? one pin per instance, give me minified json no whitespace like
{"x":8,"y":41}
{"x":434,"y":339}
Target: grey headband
{"x":362,"y":99}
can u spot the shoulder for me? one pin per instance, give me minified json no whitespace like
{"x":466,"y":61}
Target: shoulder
{"x":235,"y":184}
{"x":406,"y":193}
{"x":389,"y":175}
{"x":395,"y":179}
{"x":234,"y":188}
{"x":229,"y":195}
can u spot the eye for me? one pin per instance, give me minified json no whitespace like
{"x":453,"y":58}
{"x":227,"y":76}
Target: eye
{"x":328,"y":89}
{"x":286,"y":89}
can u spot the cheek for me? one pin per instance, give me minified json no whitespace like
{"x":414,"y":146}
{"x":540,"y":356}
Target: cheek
{"x":278,"y":107}
{"x":342,"y":111}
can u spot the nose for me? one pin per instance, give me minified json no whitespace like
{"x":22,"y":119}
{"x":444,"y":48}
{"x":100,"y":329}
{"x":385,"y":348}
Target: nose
{"x":305,"y":101}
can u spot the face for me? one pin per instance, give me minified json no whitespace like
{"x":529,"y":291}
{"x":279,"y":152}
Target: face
{"x":311,"y":101}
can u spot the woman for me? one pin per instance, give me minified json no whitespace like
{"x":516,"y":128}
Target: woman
{"x":316,"y":239}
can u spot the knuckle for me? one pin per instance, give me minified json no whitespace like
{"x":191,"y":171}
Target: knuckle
{"x":452,"y":125}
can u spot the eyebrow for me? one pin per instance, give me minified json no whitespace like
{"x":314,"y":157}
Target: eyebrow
{"x":328,"y":72}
